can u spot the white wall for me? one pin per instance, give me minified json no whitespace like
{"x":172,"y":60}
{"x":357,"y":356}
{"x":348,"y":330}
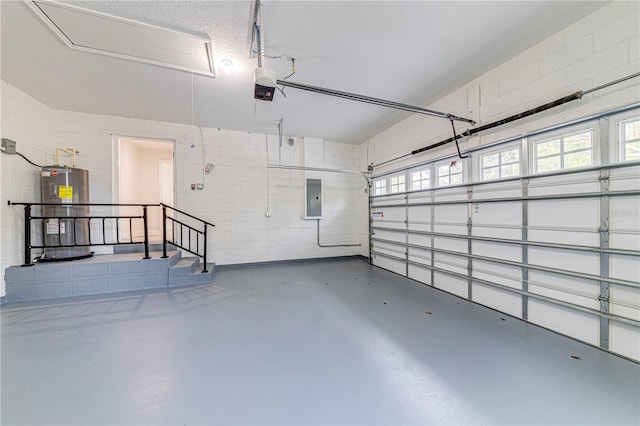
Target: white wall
{"x":30,"y":123}
{"x":234,"y":197}
{"x":600,"y":48}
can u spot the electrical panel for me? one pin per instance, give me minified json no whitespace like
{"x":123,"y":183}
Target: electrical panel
{"x":313,"y":205}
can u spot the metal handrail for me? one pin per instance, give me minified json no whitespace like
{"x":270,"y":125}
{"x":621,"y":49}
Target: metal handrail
{"x":180,"y":244}
{"x":28,"y":218}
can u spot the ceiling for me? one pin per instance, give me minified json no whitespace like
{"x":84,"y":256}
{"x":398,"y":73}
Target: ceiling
{"x":411,"y":52}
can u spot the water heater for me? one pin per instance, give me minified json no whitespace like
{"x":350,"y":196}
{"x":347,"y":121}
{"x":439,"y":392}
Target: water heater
{"x":65,"y":228}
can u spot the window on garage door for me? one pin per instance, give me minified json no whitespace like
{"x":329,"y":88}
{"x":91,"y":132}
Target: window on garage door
{"x":502,"y":163}
{"x":380,"y":186}
{"x":565,"y":151}
{"x":420,"y":178}
{"x":450,"y":173}
{"x":630,"y":139}
{"x":397,"y":183}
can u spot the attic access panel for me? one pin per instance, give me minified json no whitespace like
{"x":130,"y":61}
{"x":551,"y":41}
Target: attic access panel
{"x":109,"y":35}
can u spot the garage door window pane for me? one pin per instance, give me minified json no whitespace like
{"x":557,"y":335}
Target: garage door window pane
{"x":501,"y":164}
{"x":397,"y":184}
{"x":420,"y":179}
{"x":450,"y":174}
{"x":630,"y":140}
{"x":379,"y":187}
{"x":566,"y":152}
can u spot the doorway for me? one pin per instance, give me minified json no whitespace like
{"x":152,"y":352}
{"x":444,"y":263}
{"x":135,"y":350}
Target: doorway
{"x":145,"y":176}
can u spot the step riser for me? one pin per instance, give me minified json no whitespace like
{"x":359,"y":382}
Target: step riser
{"x":194,"y":279}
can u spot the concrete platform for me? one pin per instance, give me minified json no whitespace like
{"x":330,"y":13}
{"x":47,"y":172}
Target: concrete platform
{"x":100,"y":274}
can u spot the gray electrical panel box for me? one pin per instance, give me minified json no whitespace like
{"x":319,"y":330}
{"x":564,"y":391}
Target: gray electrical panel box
{"x":313,"y":205}
{"x":9,"y":146}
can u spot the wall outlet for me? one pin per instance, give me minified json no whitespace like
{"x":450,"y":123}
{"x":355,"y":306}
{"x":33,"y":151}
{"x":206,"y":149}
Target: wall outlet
{"x":8,"y":146}
{"x":200,"y":186}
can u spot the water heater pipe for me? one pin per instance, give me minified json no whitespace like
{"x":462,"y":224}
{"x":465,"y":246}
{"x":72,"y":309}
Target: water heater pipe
{"x":70,"y":151}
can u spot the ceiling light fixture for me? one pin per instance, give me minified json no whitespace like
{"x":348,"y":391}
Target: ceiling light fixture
{"x":227,"y":65}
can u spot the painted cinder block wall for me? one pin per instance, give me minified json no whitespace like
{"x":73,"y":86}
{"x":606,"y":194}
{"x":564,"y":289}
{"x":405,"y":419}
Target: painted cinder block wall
{"x":236,"y":194}
{"x":600,"y":48}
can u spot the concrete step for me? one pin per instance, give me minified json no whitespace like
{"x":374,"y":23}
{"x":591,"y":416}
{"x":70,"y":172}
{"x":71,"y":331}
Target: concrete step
{"x":188,"y":271}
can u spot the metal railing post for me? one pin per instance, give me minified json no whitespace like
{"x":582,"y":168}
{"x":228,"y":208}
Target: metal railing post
{"x":164,"y":231}
{"x":146,"y":232}
{"x":204,"y":267}
{"x":27,"y":235}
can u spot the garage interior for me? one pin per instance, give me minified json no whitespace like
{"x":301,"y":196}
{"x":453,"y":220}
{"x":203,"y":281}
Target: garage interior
{"x":320,"y":212}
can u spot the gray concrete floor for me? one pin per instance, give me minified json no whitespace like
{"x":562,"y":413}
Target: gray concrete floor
{"x":327,"y":342}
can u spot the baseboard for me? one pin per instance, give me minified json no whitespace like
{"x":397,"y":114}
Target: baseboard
{"x":289,"y":261}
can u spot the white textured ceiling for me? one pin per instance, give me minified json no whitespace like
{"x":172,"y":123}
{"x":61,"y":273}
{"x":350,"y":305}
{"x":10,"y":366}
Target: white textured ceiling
{"x":411,"y":52}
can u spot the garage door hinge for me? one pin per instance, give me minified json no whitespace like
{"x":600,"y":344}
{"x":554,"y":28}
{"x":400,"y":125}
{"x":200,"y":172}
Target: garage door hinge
{"x":604,"y":304}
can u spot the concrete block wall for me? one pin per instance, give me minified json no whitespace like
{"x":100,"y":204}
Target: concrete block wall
{"x":235,"y":197}
{"x":30,"y":123}
{"x":602,"y":47}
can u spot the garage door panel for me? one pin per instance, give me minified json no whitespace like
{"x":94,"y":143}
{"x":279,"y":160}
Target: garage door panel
{"x":454,"y":285}
{"x":624,"y":267}
{"x":509,"y":276}
{"x":451,"y":229}
{"x":624,"y":241}
{"x":625,"y":213}
{"x":389,"y":235}
{"x":565,"y":214}
{"x":420,"y":274}
{"x":510,"y":252}
{"x":419,"y":255}
{"x":490,"y":232}
{"x":388,"y":217}
{"x":420,"y":196}
{"x":390,"y":249}
{"x":500,"y":214}
{"x":625,"y":179}
{"x":586,"y":182}
{"x":625,"y":301}
{"x":450,"y":194}
{"x":420,"y":240}
{"x":559,"y":236}
{"x":498,"y":190}
{"x":577,"y":324}
{"x":624,"y":339}
{"x":576,"y":261}
{"x":389,"y":264}
{"x":453,"y":244}
{"x":386,"y":200}
{"x":419,"y":214}
{"x":451,"y":263}
{"x":501,"y":300}
{"x":456,"y":213}
{"x":567,"y":289}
